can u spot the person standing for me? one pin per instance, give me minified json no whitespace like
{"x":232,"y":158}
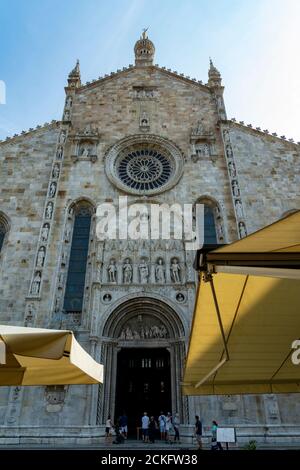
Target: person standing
{"x":152,"y":429}
{"x":162,"y":425}
{"x":168,"y":426}
{"x":198,"y":432}
{"x":108,"y":429}
{"x":176,"y":424}
{"x":145,"y":427}
{"x":124,"y":425}
{"x":215,"y":445}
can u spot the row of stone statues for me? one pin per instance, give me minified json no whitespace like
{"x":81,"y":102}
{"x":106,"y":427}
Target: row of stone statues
{"x":234,"y":185}
{"x":143,"y":268}
{"x":145,"y":332}
{"x":35,"y":286}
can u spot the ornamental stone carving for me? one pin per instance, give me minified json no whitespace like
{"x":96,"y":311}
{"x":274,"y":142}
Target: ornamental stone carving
{"x":160,"y":272}
{"x":143,"y":327}
{"x":52,"y":189}
{"x":127,"y":272}
{"x":45,"y":232}
{"x":144,"y":164}
{"x":49,"y":210}
{"x":144,"y":272}
{"x":175,"y":270}
{"x":56,"y":171}
{"x":41,"y":257}
{"x":55,"y":397}
{"x":112,"y":271}
{"x":36,"y":283}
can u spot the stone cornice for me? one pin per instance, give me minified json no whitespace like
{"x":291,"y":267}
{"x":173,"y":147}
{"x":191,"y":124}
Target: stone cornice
{"x":130,"y":68}
{"x":30,"y":131}
{"x":263,"y":133}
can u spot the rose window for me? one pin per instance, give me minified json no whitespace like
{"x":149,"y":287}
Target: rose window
{"x":144,"y":169}
{"x":144,"y":165}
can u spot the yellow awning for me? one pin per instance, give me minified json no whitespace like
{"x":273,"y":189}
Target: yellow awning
{"x":34,"y":356}
{"x":247,"y":316}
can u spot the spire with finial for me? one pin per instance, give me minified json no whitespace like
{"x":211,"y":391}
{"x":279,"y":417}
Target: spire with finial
{"x":144,"y":50}
{"x":214,"y":76}
{"x":74,"y":79}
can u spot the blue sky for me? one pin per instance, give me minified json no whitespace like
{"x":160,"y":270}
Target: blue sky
{"x":254,"y":44}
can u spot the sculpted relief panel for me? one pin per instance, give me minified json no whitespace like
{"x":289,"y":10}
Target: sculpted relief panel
{"x":143,"y":327}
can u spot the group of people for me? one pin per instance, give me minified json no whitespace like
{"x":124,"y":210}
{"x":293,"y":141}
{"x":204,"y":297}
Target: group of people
{"x":215,"y":444}
{"x":120,"y":428}
{"x":167,"y":425}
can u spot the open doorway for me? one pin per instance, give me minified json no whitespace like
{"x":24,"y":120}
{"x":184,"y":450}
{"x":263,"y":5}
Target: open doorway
{"x":143,"y":384}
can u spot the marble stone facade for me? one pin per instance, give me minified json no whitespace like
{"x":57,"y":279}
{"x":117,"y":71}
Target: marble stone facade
{"x":251,"y":178}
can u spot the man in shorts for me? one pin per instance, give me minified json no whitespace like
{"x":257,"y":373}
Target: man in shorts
{"x":162,"y":425}
{"x":145,"y":427}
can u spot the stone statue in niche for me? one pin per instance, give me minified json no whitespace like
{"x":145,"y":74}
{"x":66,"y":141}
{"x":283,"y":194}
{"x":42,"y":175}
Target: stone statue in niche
{"x":160,"y":271}
{"x":49,"y":210}
{"x":61,"y":279}
{"x":36,"y":283}
{"x":66,"y":115}
{"x":98,"y":272}
{"x":41,"y":257}
{"x":57,"y":304}
{"x":220,"y":102}
{"x":55,"y":397}
{"x":144,"y":120}
{"x":229,"y":152}
{"x":52,"y":189}
{"x":112,"y":271}
{"x":242,"y":230}
{"x":235,"y":188}
{"x":55,"y":171}
{"x":59,"y":152}
{"x":144,"y":272}
{"x":45,"y":232}
{"x":199,"y":129}
{"x":239,"y":209}
{"x":85,"y":151}
{"x":68,"y":104}
{"x":62,"y":137}
{"x":175,"y":270}
{"x":68,"y":232}
{"x":232,"y":170}
{"x":226,"y":136}
{"x":127,"y":272}
{"x":29,"y":315}
{"x":202,"y":150}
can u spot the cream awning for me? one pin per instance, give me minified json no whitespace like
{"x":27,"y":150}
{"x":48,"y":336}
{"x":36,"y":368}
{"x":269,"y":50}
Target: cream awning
{"x":34,"y":356}
{"x":247,"y":315}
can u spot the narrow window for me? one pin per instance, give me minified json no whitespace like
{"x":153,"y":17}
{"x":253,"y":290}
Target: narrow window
{"x":210,"y":234}
{"x":78,"y":260}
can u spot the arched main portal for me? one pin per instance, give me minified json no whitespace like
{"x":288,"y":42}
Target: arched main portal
{"x":143,"y":351}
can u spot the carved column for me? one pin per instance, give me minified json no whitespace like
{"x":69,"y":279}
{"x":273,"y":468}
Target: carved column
{"x":93,"y":389}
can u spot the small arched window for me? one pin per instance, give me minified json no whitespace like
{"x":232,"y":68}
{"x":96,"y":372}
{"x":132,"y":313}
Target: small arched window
{"x":4,"y":228}
{"x":74,"y":292}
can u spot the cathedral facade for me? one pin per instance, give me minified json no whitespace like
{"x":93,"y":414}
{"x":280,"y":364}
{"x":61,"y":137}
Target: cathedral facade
{"x":154,"y":136}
